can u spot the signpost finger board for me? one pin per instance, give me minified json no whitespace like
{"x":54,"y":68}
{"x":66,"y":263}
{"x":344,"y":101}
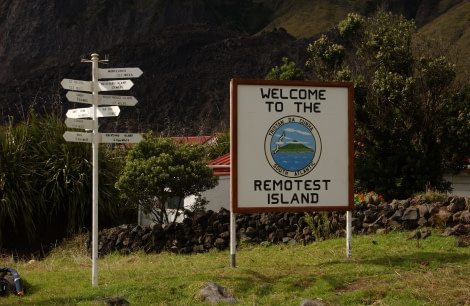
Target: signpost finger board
{"x":292,"y":146}
{"x":87,"y":98}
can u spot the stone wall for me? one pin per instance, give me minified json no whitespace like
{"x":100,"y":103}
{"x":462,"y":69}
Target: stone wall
{"x":211,"y":230}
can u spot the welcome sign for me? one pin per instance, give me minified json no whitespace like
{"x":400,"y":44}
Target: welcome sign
{"x":291,"y":146}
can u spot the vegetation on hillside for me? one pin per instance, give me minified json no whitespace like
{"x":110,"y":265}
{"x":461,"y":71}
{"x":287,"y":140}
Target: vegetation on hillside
{"x":411,"y":116}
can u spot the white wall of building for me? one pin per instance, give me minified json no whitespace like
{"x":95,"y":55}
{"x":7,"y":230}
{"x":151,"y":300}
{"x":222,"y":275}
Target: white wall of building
{"x":460,"y":183}
{"x":218,"y":197}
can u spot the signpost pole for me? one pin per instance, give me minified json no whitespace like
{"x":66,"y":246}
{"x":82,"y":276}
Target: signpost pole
{"x":233,"y":239}
{"x":348,"y":233}
{"x":75,"y":120}
{"x":95,"y":146}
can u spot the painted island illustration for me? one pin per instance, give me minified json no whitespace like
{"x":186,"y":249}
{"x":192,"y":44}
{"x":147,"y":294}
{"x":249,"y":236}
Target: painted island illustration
{"x":293,"y":146}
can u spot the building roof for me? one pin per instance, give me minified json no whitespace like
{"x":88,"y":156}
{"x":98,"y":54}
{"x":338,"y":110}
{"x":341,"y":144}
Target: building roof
{"x":193,"y":139}
{"x":220,"y":165}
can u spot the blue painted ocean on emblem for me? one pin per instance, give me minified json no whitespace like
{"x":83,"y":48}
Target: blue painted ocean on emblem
{"x":293,"y":161}
{"x":293,"y":146}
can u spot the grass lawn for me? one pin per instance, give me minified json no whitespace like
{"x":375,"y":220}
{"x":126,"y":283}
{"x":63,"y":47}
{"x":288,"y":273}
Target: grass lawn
{"x":384,"y":270}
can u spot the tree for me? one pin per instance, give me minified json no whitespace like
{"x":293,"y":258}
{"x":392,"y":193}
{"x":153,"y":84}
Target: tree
{"x":288,"y":71}
{"x":406,"y":102}
{"x":326,"y":59}
{"x":220,"y":147}
{"x":158,"y":169}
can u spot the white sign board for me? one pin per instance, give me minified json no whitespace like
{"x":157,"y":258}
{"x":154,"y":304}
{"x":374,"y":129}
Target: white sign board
{"x":82,"y":97}
{"x":77,"y":123}
{"x":119,"y":73}
{"x":70,"y":84}
{"x":115,"y":85}
{"x":78,"y":136}
{"x":292,"y":146}
{"x":79,"y":113}
{"x":79,"y":97}
{"x":86,"y":112}
{"x":108,"y":111}
{"x":120,"y":137}
{"x":117,"y":100}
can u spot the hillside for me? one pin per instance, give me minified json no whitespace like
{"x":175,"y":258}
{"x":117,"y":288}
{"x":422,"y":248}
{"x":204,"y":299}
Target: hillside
{"x":188,"y":49}
{"x":296,"y":147}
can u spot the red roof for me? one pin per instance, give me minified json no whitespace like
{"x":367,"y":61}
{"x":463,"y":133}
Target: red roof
{"x":220,"y":165}
{"x":193,"y":139}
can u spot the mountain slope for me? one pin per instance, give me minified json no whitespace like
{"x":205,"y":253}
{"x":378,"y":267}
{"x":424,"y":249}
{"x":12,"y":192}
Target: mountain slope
{"x":188,"y":49}
{"x":452,"y":26}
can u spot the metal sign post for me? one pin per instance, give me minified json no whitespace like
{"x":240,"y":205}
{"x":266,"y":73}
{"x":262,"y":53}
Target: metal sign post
{"x":233,"y":239}
{"x":95,"y":147}
{"x":348,"y":233}
{"x":75,"y":121}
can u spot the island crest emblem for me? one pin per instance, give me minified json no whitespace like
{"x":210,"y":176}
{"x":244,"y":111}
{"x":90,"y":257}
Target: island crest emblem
{"x":292,"y":146}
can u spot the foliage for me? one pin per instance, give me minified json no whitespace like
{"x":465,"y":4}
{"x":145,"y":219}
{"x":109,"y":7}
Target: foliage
{"x":220,"y":147}
{"x":199,"y":206}
{"x":368,"y":197}
{"x":158,"y":169}
{"x":45,"y":183}
{"x":288,"y":71}
{"x":326,"y":58}
{"x":431,"y":196}
{"x":411,"y":117}
{"x":322,"y":224}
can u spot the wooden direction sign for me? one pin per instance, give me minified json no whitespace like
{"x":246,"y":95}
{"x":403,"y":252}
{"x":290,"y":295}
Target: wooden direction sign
{"x":117,"y":100}
{"x":115,"y":85}
{"x":108,"y":111}
{"x":78,"y":136}
{"x":103,"y":137}
{"x":104,"y":111}
{"x":120,"y":137}
{"x":76,"y":85}
{"x":119,"y":73}
{"x":82,"y":97}
{"x":79,"y":113}
{"x":111,"y":85}
{"x":77,"y":123}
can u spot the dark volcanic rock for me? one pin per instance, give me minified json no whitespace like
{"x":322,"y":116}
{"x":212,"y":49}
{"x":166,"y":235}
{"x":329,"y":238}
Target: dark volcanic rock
{"x":188,"y":59}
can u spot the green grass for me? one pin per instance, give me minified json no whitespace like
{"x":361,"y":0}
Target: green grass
{"x":384,"y":269}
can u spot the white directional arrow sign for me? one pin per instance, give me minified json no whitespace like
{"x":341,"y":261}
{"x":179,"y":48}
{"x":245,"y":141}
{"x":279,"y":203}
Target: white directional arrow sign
{"x":119,"y":73}
{"x":79,"y":113}
{"x":115,"y":85}
{"x":104,"y":111}
{"x":81,"y":97}
{"x":108,"y":111}
{"x":117,"y":100}
{"x":120,"y":137}
{"x":76,"y":85}
{"x":76,"y":123}
{"x":78,"y":136}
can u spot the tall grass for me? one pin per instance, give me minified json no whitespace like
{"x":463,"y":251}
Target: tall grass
{"x":384,"y":270}
{"x":46,"y":182}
